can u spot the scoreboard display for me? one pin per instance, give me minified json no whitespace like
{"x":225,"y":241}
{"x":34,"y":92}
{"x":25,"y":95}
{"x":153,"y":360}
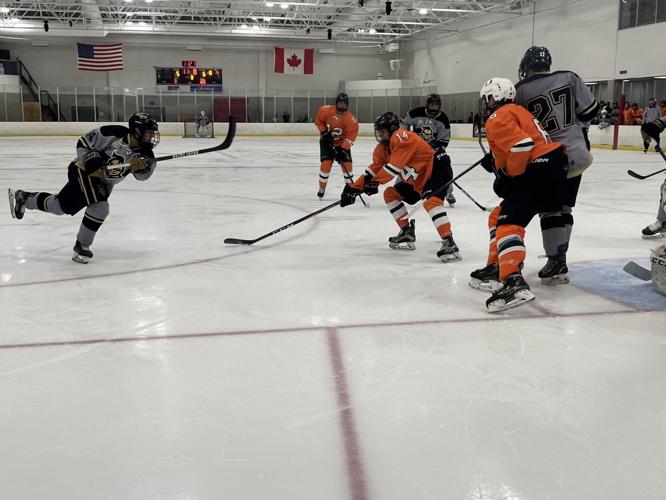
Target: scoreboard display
{"x":188,"y":74}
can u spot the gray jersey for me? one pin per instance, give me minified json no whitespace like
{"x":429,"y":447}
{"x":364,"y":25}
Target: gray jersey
{"x":436,"y":131}
{"x":651,"y":114}
{"x":562,"y":103}
{"x":111,"y":142}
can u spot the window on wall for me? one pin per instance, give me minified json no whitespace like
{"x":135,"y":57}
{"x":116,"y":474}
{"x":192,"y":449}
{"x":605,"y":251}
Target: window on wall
{"x":646,"y":12}
{"x":641,"y":12}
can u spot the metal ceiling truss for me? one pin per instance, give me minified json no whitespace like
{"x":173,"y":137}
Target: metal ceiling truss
{"x":348,"y":20}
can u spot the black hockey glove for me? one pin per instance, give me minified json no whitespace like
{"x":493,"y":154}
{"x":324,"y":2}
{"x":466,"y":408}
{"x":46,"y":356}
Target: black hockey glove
{"x":342,"y":155}
{"x":370,"y":187}
{"x":348,"y":196}
{"x":327,"y":137}
{"x":502,"y":184}
{"x":94,"y":163}
{"x":488,"y":163}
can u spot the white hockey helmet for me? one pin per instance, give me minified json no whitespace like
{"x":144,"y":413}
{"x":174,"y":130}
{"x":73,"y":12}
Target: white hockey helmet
{"x":501,"y":89}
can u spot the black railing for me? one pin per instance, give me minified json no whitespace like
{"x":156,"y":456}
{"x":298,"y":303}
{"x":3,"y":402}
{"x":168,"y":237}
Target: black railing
{"x":48,"y":104}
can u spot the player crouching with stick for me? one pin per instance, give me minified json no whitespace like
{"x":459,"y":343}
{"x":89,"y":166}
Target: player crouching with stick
{"x":420,"y":173}
{"x":532,"y":169}
{"x":105,"y":156}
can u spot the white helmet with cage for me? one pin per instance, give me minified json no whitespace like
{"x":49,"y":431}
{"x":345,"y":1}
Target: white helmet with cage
{"x":501,"y":90}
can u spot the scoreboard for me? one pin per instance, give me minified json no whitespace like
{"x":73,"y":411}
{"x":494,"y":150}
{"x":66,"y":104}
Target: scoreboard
{"x":188,"y":74}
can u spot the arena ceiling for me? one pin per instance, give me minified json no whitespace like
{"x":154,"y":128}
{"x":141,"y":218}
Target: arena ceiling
{"x":360,"y":21}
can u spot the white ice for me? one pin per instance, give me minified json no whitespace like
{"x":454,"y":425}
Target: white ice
{"x":318,"y":364}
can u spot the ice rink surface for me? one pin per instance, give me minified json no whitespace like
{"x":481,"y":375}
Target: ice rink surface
{"x":320,"y":364}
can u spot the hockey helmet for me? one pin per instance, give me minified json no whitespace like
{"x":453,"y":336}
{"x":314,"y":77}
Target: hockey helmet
{"x":341,"y":97}
{"x":144,"y":129}
{"x":501,"y":90}
{"x":385,"y":125}
{"x":535,"y":59}
{"x":433,"y":104}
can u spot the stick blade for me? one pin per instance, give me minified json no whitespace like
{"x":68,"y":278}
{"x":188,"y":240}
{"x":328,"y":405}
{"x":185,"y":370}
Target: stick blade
{"x":237,"y":241}
{"x":637,"y":271}
{"x":635,"y":175}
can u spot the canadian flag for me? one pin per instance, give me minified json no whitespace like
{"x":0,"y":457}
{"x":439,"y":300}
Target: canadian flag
{"x":294,"y":61}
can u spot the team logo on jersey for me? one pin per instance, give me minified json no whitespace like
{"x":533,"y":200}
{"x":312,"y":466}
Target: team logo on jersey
{"x":121,"y":154}
{"x":426,"y":133}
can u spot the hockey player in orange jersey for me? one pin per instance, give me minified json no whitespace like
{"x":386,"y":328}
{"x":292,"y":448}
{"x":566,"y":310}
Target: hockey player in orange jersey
{"x":530,"y":171}
{"x":338,"y":129}
{"x":419,"y":171}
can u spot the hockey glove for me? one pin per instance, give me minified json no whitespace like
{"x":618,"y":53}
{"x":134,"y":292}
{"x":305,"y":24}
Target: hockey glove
{"x":502,"y":184}
{"x":342,"y":155}
{"x":327,"y":137}
{"x":140,"y":164}
{"x":94,"y":164}
{"x":488,"y":163}
{"x":370,"y":186}
{"x":348,"y":196}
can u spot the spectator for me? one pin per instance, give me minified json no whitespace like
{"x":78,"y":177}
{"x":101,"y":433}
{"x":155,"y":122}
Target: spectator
{"x":662,"y":105}
{"x":615,"y":113}
{"x":652,"y":112}
{"x":285,"y":117}
{"x":628,"y":114}
{"x":638,"y":113}
{"x":470,"y":118}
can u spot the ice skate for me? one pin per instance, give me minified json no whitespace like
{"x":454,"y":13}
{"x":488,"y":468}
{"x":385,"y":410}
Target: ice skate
{"x":515,"y":292}
{"x":485,"y":279}
{"x":655,"y":230}
{"x":320,"y":193}
{"x":449,"y":251}
{"x":555,"y":271}
{"x":82,"y":254}
{"x":451,"y":200}
{"x":17,"y":203}
{"x":406,"y":238}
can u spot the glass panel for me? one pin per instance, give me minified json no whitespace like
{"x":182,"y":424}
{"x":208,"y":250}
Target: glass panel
{"x":647,"y":12}
{"x":628,"y":13}
{"x":661,"y":11}
{"x":301,"y":111}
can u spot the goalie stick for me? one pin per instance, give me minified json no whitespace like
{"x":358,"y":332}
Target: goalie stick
{"x":238,"y":241}
{"x":637,"y":271}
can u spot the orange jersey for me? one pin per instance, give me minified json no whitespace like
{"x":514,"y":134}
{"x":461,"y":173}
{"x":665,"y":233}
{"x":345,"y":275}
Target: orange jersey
{"x":407,"y":156}
{"x":343,"y":128}
{"x":516,"y":139}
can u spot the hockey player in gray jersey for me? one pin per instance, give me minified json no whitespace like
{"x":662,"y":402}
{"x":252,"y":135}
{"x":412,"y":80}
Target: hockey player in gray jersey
{"x":104,"y":157}
{"x":432,"y":124}
{"x":651,"y":131}
{"x":563,"y":104}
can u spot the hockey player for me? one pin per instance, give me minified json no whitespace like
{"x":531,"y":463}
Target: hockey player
{"x":563,"y":104}
{"x":432,"y":124}
{"x":651,"y":131}
{"x":420,"y":172}
{"x":202,"y":123}
{"x":100,"y":164}
{"x":338,"y":129}
{"x":530,"y":169}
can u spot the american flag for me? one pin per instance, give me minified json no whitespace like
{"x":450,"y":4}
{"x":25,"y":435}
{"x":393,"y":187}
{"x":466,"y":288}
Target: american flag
{"x":96,"y":57}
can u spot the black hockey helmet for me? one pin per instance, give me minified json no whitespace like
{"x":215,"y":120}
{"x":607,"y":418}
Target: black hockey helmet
{"x":433,"y":104}
{"x":144,"y":129}
{"x":388,"y":122}
{"x":535,"y":59}
{"x":341,"y":97}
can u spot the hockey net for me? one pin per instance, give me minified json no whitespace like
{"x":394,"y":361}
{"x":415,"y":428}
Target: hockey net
{"x":192,"y":129}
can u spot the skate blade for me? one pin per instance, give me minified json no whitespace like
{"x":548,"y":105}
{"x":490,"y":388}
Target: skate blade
{"x":522,"y":297}
{"x":653,"y":236}
{"x":402,"y":246}
{"x":484,"y":286}
{"x":449,"y":257}
{"x":80,"y":258}
{"x":560,"y":279}
{"x":12,"y":202}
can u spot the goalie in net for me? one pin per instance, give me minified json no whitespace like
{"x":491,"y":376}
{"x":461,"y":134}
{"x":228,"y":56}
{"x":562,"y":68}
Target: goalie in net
{"x":201,"y":126}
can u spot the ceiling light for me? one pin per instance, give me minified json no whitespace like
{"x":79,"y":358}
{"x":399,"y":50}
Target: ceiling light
{"x":142,"y":23}
{"x":149,"y":1}
{"x":255,"y":18}
{"x":4,"y":10}
{"x":244,"y":26}
{"x":256,"y":27}
{"x":591,"y":83}
{"x":266,"y":19}
{"x":372,"y":31}
{"x":130,"y":23}
{"x":130,"y":14}
{"x":284,"y":5}
{"x":128,"y":1}
{"x":269,"y":4}
{"x":361,"y":30}
{"x":656,"y":78}
{"x":389,"y":8}
{"x":454,"y":10}
{"x":423,"y":12}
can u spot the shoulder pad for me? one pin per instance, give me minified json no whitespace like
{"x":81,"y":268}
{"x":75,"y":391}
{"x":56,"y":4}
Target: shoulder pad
{"x":114,"y":130}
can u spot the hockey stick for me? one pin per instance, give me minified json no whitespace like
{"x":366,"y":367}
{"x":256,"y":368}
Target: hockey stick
{"x":485,"y":209}
{"x":639,"y":176}
{"x":442,"y":190}
{"x":351,"y":177}
{"x":637,"y":271}
{"x":231,"y":133}
{"x":238,"y":241}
